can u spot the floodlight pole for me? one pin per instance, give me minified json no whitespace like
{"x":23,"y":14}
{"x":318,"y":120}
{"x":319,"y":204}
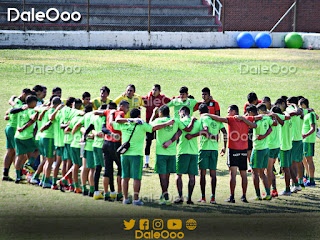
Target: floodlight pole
{"x":284,"y":15}
{"x":149,"y":16}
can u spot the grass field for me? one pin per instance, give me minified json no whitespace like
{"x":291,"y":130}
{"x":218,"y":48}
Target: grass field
{"x":30,"y":212}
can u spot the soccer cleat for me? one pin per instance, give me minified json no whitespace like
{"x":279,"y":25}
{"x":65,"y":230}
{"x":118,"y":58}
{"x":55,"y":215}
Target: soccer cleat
{"x":71,"y":189}
{"x":179,"y":200}
{"x":307,"y":183}
{"x":302,"y":186}
{"x":258,"y":199}
{"x":17,"y":181}
{"x":97,"y":195}
{"x":202,"y":200}
{"x":54,"y":187}
{"x":77,"y":190}
{"x":268,"y":197}
{"x":126,"y":201}
{"x":281,"y":176}
{"x":8,"y":179}
{"x":162,"y":201}
{"x":46,"y":185}
{"x":244,"y":199}
{"x":230,"y":200}
{"x":138,"y":202}
{"x":168,"y":202}
{"x":90,"y":194}
{"x":285,"y":193}
{"x":113,"y":196}
{"x":146,"y":165}
{"x":119,"y":197}
{"x":274,"y":193}
{"x":40,"y":183}
{"x":294,"y":189}
{"x":29,"y":168}
{"x":312,"y":184}
{"x":85,"y":193}
{"x":190,"y":202}
{"x":213,"y":200}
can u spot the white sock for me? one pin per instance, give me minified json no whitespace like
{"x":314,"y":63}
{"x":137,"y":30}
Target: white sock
{"x":96,"y":193}
{"x":147,"y":159}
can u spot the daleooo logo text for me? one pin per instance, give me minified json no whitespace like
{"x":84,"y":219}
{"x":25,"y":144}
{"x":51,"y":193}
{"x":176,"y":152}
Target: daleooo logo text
{"x":52,"y":15}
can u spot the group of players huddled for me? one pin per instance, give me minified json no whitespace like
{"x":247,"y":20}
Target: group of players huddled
{"x":86,"y":135}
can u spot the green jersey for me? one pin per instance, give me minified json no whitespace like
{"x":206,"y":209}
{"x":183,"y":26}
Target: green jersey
{"x":77,"y":135}
{"x":24,"y":117}
{"x":13,"y":118}
{"x":97,"y":122}
{"x":67,"y":115}
{"x":297,"y":123}
{"x":86,"y":121}
{"x":165,"y":134}
{"x":308,"y":120}
{"x":39,"y":123}
{"x":189,"y":146}
{"x":286,"y":134}
{"x":177,"y":103}
{"x":261,"y":129}
{"x":138,"y":137}
{"x":274,"y":137}
{"x":48,"y":133}
{"x":213,"y":128}
{"x":58,"y":133}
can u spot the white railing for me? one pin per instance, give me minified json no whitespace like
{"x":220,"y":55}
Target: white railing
{"x":217,"y":6}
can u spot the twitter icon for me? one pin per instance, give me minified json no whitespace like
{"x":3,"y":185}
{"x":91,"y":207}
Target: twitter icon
{"x":129,"y":225}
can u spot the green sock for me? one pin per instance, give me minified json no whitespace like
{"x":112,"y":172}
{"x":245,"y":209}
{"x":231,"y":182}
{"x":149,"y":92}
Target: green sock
{"x":268,"y":191}
{"x":43,"y":177}
{"x":18,"y":174}
{"x":274,"y":188}
{"x":91,"y":189}
{"x":258,"y":192}
{"x":312,"y":180}
{"x":46,"y":180}
{"x":180,"y":194}
{"x":31,"y":160}
{"x":296,"y":184}
{"x":84,"y":188}
{"x":213,"y":196}
{"x":166,"y":196}
{"x":36,"y":176}
{"x":300,"y":180}
{"x":65,"y":182}
{"x":76,"y":185}
{"x":120,"y":195}
{"x":54,"y":180}
{"x":107,"y":194}
{"x":287,"y":189}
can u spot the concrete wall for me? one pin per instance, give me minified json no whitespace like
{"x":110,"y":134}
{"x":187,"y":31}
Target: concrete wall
{"x":136,"y":39}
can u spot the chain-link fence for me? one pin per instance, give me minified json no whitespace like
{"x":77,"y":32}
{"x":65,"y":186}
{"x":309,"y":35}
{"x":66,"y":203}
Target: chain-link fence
{"x":114,"y":15}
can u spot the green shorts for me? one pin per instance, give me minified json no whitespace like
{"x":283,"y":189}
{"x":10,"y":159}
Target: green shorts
{"x":47,"y":146}
{"x":165,"y":164}
{"x":187,"y":164}
{"x":75,"y":156}
{"x":10,"y":131}
{"x":40,"y":148}
{"x":274,"y":153}
{"x":259,"y":158}
{"x":297,"y":151}
{"x":88,"y":155}
{"x":285,"y":158}
{"x":67,"y":152}
{"x":208,"y":159}
{"x":25,"y":146}
{"x":131,"y":166}
{"x":308,"y":149}
{"x":98,"y":157}
{"x":60,"y":152}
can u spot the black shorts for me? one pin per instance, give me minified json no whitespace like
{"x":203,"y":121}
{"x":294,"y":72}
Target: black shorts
{"x":238,"y":158}
{"x":150,"y":136}
{"x":250,"y":136}
{"x":110,"y":155}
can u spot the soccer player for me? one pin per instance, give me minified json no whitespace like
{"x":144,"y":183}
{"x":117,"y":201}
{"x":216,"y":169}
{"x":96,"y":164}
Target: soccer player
{"x":10,"y":132}
{"x":132,"y":159}
{"x":208,"y":154}
{"x":134,"y":100}
{"x":182,"y":101}
{"x":260,"y":153}
{"x":153,"y":100}
{"x":112,"y":141}
{"x":104,"y":93}
{"x":165,"y":153}
{"x":309,"y":134}
{"x":38,"y":91}
{"x":297,"y":146}
{"x":267,"y":102}
{"x":86,"y":100}
{"x":213,"y":105}
{"x":238,"y":128}
{"x":47,"y":139}
{"x":187,"y":160}
{"x":24,"y":140}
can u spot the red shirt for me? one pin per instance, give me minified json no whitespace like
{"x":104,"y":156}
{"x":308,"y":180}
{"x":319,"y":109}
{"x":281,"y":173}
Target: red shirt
{"x":213,"y":106}
{"x":109,"y":127}
{"x":151,"y":102}
{"x":248,"y":104}
{"x":238,"y":133}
